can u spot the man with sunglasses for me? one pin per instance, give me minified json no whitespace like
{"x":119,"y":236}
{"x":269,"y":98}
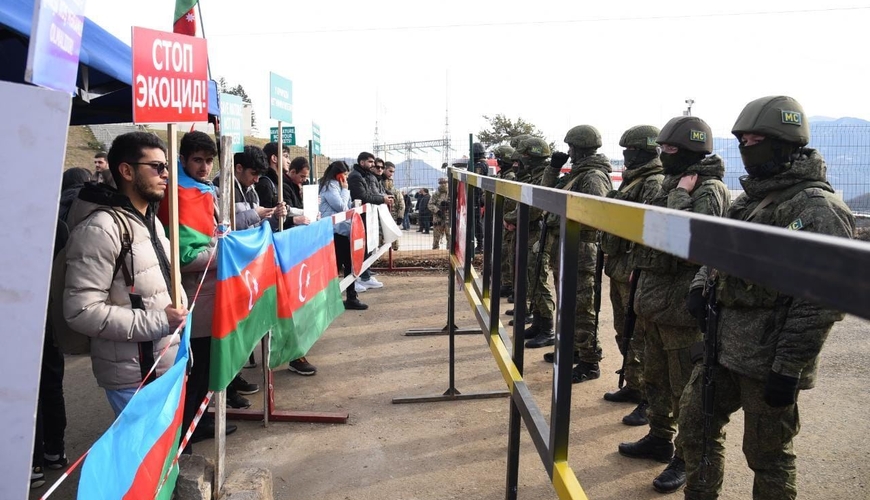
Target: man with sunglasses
{"x":365,"y":185}
{"x":123,"y":303}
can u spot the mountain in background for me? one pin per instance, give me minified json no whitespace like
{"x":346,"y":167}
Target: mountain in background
{"x":417,"y":173}
{"x":843,"y":142}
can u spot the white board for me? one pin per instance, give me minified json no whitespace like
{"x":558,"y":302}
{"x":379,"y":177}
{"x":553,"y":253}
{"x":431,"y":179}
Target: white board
{"x":310,"y":201}
{"x":33,"y":135}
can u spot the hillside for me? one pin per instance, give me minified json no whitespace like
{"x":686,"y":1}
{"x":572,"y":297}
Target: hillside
{"x":80,"y":148}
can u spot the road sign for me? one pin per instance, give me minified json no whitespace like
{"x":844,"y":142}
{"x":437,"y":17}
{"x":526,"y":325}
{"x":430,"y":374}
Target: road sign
{"x":231,"y":120}
{"x":55,"y":41}
{"x":289,"y":133}
{"x":315,"y":138}
{"x":170,"y":77}
{"x":280,"y":98}
{"x":357,"y":243}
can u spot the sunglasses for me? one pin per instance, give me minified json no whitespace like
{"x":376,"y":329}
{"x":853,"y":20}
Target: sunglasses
{"x":158,"y":166}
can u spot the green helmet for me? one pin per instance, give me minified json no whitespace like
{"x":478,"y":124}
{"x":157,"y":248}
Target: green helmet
{"x":478,"y":151}
{"x":515,"y":141}
{"x":640,"y":137}
{"x":535,"y":147}
{"x":503,"y":153}
{"x":781,"y":117}
{"x":687,"y":132}
{"x":583,"y":137}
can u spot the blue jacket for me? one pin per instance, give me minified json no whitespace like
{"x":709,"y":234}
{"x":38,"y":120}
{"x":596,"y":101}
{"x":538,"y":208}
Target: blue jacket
{"x":335,"y":199}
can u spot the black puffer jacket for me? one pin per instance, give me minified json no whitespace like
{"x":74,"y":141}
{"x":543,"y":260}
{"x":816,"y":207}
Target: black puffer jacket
{"x":365,"y":185}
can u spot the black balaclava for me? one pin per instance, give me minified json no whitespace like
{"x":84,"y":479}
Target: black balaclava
{"x":677,"y":163}
{"x":637,"y":157}
{"x":768,"y":157}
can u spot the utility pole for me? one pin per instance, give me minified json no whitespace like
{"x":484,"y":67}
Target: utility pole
{"x":688,"y":111}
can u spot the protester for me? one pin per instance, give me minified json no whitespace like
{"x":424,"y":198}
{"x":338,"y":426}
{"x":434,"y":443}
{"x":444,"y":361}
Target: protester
{"x":365,"y":185}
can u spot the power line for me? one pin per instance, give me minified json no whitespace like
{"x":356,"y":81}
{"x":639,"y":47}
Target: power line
{"x":539,"y":23}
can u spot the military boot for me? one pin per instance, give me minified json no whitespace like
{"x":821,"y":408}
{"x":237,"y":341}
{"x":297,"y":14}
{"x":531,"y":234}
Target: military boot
{"x":672,"y":478}
{"x":649,"y":446}
{"x":529,"y":320}
{"x":550,"y":357}
{"x":510,"y":298}
{"x":585,"y":371}
{"x":540,"y":333}
{"x":506,"y":291}
{"x":624,"y":395}
{"x":638,"y":415}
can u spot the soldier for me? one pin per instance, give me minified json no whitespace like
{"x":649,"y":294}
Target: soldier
{"x":506,"y":171}
{"x":590,"y":174}
{"x":785,"y":187}
{"x":397,"y":209}
{"x":439,"y":205}
{"x":481,"y":168}
{"x":510,"y":217}
{"x":641,"y":180}
{"x":693,"y":183}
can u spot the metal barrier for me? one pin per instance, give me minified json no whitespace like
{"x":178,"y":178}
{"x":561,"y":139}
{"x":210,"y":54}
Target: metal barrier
{"x":820,"y":268}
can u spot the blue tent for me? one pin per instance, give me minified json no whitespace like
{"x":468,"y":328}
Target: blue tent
{"x":105,"y":70}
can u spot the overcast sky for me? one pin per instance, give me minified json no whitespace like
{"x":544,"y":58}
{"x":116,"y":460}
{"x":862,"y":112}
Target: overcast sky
{"x":556,"y":64}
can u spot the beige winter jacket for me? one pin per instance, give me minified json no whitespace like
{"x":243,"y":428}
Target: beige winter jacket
{"x":97,"y":301}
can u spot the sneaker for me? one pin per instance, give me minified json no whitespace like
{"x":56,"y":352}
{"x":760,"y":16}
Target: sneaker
{"x":355,"y":304}
{"x":37,"y":477}
{"x":302,"y":367}
{"x":235,"y":400}
{"x":371,"y":283}
{"x":242,"y":386}
{"x":55,"y":462}
{"x":359,"y":287}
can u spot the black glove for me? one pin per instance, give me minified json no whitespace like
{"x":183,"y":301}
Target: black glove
{"x":558,"y":160}
{"x":696,"y":303}
{"x":780,"y":390}
{"x":445,"y":205}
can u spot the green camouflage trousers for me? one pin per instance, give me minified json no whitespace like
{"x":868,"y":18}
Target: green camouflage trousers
{"x":540,"y":296}
{"x":439,"y":231}
{"x":585,"y":334}
{"x":665,"y":375}
{"x":619,"y":292}
{"x":767,"y":437}
{"x":508,"y":254}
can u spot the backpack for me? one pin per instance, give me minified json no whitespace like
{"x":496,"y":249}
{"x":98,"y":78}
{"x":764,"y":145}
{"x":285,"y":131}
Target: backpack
{"x":68,"y":340}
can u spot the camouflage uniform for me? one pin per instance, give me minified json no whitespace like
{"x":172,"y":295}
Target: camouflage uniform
{"x":510,"y":216}
{"x":509,"y":238}
{"x":541,"y":301}
{"x":762,"y":333}
{"x":589,"y":175}
{"x":440,"y":215}
{"x":397,"y":211}
{"x":639,"y":185}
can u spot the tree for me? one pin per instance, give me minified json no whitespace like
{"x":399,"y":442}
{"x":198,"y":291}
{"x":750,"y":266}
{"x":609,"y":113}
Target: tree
{"x":239,"y":91}
{"x":502,"y":128}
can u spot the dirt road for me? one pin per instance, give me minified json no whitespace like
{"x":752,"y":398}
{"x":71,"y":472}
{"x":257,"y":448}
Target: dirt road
{"x":458,"y":449}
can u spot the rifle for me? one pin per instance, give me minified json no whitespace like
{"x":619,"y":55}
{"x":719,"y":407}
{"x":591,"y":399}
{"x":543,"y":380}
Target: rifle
{"x":628,"y":328}
{"x":596,"y":288}
{"x":711,"y":352}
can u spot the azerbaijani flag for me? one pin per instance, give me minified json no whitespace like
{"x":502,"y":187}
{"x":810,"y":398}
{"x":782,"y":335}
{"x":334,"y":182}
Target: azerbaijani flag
{"x":245,"y":300}
{"x":133,"y":457}
{"x":196,"y":216}
{"x":185,"y":17}
{"x":309,"y":295}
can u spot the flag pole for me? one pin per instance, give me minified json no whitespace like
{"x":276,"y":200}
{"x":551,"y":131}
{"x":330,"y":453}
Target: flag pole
{"x":174,"y":252}
{"x":202,"y":28}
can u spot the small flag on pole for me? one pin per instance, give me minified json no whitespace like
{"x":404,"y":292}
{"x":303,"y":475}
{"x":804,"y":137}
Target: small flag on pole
{"x":185,"y":17}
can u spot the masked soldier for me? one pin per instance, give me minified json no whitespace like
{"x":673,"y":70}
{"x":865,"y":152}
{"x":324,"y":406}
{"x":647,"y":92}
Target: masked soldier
{"x":439,"y":205}
{"x":506,"y":171}
{"x":510,"y":217}
{"x":641,"y":181}
{"x":769,"y":343}
{"x":589,"y":174}
{"x":692,"y":183}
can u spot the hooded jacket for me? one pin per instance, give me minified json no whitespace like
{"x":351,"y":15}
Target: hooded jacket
{"x":364,"y":185}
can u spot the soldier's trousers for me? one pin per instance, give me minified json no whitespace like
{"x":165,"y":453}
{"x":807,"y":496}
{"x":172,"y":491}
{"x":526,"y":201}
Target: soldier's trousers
{"x":767,"y":437}
{"x":540,"y":296}
{"x":619,"y":292}
{"x":439,"y":231}
{"x":508,"y":253}
{"x":585,"y":333}
{"x":665,"y":373}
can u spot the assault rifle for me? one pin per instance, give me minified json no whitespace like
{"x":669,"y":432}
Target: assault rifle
{"x":539,"y":259}
{"x":628,"y":327}
{"x":596,"y":287}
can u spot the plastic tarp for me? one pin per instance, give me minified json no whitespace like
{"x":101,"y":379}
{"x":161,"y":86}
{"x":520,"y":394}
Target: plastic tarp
{"x":105,"y":70}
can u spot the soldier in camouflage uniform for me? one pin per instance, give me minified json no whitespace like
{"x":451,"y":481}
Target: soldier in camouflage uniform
{"x":769,"y":343}
{"x":692,"y":183}
{"x":439,"y":205}
{"x":641,"y":181}
{"x":590,"y":174}
{"x":510,"y":217}
{"x":535,"y":154}
{"x":397,"y":209}
{"x":506,"y":171}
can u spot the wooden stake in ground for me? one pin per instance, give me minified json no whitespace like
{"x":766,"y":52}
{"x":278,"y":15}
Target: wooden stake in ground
{"x":174,"y":259}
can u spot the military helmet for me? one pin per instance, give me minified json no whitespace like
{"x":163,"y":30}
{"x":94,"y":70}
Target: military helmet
{"x":583,"y":137}
{"x":503,"y":152}
{"x":516,"y":156}
{"x":442,"y":180}
{"x":640,"y":137}
{"x":478,"y":150}
{"x":534,"y":146}
{"x":515,"y":141}
{"x":780,"y":116}
{"x":687,"y":132}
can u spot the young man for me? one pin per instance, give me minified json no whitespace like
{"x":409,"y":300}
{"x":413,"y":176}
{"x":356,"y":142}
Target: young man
{"x":365,"y":185}
{"x":101,"y":162}
{"x":250,"y":165}
{"x":267,"y":185}
{"x":129,"y":324}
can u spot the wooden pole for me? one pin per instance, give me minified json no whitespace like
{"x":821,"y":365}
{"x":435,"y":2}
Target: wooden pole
{"x":174,"y":252}
{"x":280,"y":171}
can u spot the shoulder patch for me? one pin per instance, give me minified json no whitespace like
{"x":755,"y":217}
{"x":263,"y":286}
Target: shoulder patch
{"x":814,"y":193}
{"x":698,"y":136}
{"x":791,"y":117}
{"x":796,"y":225}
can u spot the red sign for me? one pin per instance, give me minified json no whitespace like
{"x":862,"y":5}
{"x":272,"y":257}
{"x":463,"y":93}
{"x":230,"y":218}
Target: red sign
{"x":357,"y":243}
{"x":170,"y":77}
{"x":460,"y":224}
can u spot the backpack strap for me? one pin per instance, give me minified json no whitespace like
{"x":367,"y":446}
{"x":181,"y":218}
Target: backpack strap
{"x":126,"y":244}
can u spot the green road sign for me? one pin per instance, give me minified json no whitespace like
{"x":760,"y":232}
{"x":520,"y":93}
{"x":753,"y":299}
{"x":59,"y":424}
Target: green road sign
{"x":289,"y":133}
{"x":315,"y":138}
